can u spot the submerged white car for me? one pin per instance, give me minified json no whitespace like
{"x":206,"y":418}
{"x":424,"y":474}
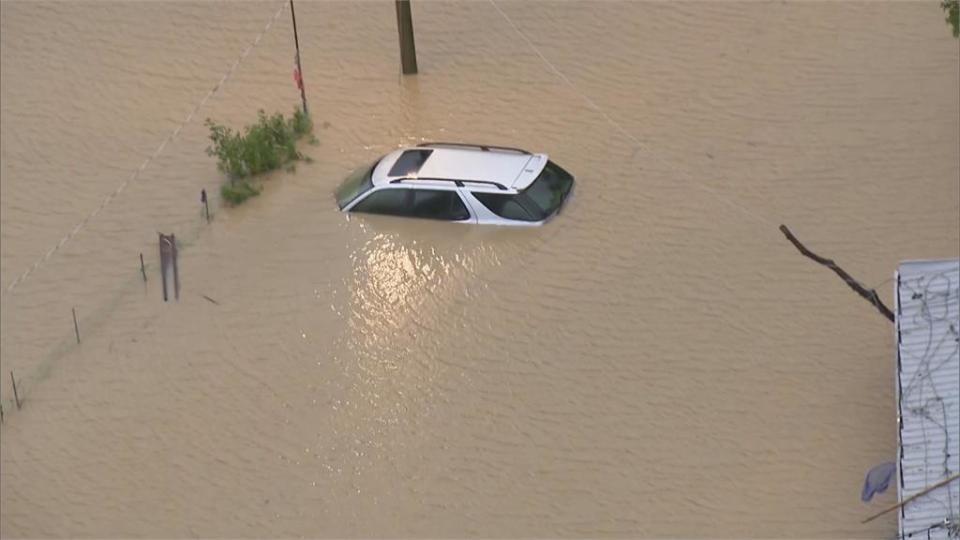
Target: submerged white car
{"x":465,"y":183}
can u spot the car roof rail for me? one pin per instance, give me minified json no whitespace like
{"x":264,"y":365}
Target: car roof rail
{"x":483,"y":147}
{"x":459,"y":182}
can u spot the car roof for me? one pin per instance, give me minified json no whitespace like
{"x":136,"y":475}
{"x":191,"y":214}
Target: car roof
{"x":505,"y":170}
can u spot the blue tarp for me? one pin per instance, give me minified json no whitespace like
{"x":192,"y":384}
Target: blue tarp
{"x":877,"y":480}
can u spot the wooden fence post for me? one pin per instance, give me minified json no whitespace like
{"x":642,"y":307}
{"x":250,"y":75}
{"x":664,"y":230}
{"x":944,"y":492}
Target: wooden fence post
{"x":16,"y":396}
{"x":206,"y":205}
{"x":76,"y":327}
{"x":168,"y":262}
{"x":163,"y":264}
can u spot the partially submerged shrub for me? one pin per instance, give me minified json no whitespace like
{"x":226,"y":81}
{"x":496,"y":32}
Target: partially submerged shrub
{"x":952,"y":9}
{"x":264,"y":146}
{"x":237,"y":191}
{"x":301,"y":124}
{"x":268,"y":144}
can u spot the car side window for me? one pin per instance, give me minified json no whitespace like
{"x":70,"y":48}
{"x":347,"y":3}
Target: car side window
{"x":505,"y":206}
{"x":438,"y":204}
{"x":391,"y":202}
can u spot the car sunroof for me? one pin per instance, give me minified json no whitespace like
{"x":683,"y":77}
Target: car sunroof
{"x":409,"y":162}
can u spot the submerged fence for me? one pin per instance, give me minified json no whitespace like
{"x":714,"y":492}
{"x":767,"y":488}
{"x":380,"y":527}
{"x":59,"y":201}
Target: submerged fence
{"x":28,"y":363}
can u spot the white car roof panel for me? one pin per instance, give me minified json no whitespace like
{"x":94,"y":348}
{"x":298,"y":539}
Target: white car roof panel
{"x":511,"y":169}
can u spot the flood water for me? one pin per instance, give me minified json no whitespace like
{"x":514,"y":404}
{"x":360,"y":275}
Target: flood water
{"x":657,"y":361}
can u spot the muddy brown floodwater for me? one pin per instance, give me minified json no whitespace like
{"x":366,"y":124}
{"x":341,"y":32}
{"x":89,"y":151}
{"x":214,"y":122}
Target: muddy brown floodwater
{"x":657,"y":361}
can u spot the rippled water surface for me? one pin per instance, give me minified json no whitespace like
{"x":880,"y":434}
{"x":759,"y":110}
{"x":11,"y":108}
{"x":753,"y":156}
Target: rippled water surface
{"x":657,"y":361}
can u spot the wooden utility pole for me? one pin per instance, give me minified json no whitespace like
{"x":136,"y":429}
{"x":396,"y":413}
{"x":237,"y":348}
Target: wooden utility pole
{"x":408,"y":51}
{"x":298,"y":76}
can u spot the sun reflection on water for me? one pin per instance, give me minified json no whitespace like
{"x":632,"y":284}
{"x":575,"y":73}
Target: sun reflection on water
{"x":406,"y":301}
{"x":408,"y":287}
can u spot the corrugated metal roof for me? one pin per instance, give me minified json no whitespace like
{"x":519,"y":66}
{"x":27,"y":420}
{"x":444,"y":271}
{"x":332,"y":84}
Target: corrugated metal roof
{"x":928,"y":394}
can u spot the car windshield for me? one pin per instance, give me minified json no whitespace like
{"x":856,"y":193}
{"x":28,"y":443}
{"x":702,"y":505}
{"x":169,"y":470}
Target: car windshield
{"x":359,"y":182}
{"x":549,"y":189}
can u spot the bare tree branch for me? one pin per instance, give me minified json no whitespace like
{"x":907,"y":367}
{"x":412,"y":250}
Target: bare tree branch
{"x":869,"y":295}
